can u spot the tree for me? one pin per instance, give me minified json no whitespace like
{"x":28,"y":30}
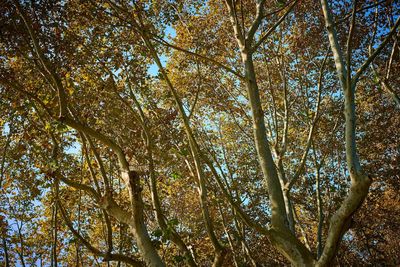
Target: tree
{"x":181,"y":132}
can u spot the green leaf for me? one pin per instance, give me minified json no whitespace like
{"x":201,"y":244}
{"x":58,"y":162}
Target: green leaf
{"x":175,"y":176}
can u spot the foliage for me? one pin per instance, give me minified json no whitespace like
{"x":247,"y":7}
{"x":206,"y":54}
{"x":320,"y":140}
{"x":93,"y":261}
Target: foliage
{"x":137,"y":133}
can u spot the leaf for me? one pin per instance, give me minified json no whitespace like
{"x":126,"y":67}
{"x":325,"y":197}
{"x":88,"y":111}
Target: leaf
{"x":175,"y":176}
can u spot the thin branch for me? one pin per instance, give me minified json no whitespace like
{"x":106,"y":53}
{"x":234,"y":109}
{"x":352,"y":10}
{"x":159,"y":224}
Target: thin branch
{"x":205,"y":58}
{"x":63,"y":117}
{"x":312,"y":128}
{"x":384,"y":81}
{"x":358,"y":11}
{"x":272,"y":29}
{"x":91,"y":170}
{"x":45,"y":62}
{"x":100,"y":162}
{"x":257,"y":21}
{"x":107,"y":256}
{"x":371,"y":58}
{"x":236,"y":27}
{"x":349,"y":49}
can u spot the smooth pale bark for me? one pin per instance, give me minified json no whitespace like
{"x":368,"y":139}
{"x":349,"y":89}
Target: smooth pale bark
{"x":360,"y":182}
{"x":278,"y":217}
{"x":302,"y":231}
{"x":136,"y":221}
{"x":132,"y":180}
{"x":286,"y":194}
{"x":279,"y":234}
{"x":109,"y":205}
{"x":280,"y":154}
{"x":340,"y":221}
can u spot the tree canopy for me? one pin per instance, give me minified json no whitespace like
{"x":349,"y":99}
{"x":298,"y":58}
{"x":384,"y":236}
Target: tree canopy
{"x":199,"y":133}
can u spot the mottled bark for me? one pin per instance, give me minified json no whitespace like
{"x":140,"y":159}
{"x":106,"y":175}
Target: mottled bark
{"x":360,"y":182}
{"x":279,"y":234}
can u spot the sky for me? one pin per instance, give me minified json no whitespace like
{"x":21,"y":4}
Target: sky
{"x":170,"y":34}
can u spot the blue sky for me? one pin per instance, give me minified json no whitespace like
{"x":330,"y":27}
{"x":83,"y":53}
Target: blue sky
{"x":170,"y":34}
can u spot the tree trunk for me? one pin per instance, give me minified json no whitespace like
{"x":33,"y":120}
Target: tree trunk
{"x":280,"y":234}
{"x":268,"y":167}
{"x":146,"y":247}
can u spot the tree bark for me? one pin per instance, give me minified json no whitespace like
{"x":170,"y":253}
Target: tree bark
{"x":7,"y":260}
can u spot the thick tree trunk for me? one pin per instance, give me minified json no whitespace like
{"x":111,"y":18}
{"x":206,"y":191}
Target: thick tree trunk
{"x":360,"y":182}
{"x":268,"y":167}
{"x":146,"y":247}
{"x":286,"y":195}
{"x":280,"y":234}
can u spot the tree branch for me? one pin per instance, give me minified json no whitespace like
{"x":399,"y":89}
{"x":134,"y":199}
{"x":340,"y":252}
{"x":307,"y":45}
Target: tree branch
{"x":371,"y":58}
{"x":45,"y":62}
{"x":205,"y":58}
{"x":257,"y":21}
{"x":107,"y":256}
{"x":312,"y":128}
{"x":272,"y":29}
{"x":334,"y":43}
